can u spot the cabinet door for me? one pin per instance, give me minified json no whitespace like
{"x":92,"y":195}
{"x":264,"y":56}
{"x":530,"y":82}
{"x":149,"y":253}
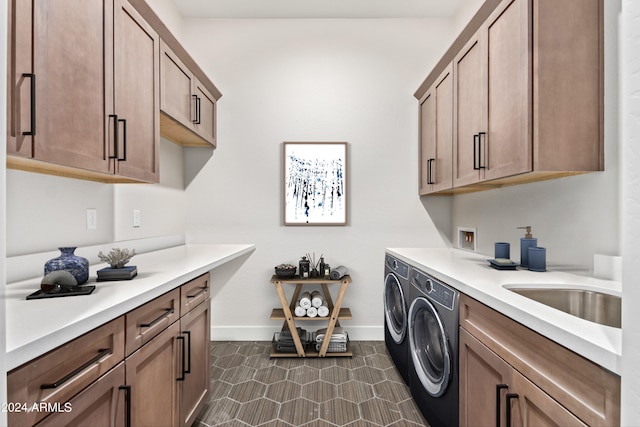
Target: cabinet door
{"x":136,"y":94}
{"x":482,"y":374}
{"x":194,"y":390}
{"x":470,"y":100}
{"x":152,"y":373}
{"x":507,"y":149}
{"x":176,"y":85}
{"x":534,"y":408}
{"x":205,"y":124}
{"x":65,"y":94}
{"x":436,"y":135}
{"x":103,"y":403}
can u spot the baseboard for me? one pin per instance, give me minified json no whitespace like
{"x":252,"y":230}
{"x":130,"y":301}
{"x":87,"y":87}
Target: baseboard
{"x":265,"y":333}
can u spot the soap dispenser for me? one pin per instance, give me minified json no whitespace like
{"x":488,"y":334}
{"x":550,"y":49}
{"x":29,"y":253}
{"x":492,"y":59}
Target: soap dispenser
{"x":525,"y":243}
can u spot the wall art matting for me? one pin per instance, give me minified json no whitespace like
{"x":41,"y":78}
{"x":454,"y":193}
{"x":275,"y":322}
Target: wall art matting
{"x":315,"y":183}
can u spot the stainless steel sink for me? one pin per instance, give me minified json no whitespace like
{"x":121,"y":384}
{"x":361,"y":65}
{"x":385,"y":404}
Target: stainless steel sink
{"x":593,"y":306}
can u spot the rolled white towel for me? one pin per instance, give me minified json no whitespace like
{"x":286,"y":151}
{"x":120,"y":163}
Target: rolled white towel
{"x":299,"y":311}
{"x":323,"y":310}
{"x":316,"y":299}
{"x":312,"y":312}
{"x":338,"y":272}
{"x":305,"y":300}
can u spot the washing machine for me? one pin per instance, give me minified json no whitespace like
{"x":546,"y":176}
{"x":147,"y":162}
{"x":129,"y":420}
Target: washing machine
{"x":396,"y":313}
{"x":433,"y":349}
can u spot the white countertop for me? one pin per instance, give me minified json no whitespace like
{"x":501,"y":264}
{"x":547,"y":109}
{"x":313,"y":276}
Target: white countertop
{"x":35,"y":327}
{"x":470,"y":274}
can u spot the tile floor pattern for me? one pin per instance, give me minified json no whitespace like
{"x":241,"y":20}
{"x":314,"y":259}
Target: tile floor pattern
{"x":248,"y":388}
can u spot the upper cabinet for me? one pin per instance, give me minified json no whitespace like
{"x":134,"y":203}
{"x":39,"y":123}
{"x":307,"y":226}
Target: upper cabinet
{"x":527,"y":93}
{"x":436,"y":135}
{"x":84,"y":90}
{"x":187,"y":107}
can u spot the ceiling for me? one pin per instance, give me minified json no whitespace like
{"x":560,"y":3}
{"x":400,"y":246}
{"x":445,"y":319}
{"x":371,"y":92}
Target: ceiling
{"x":316,"y":8}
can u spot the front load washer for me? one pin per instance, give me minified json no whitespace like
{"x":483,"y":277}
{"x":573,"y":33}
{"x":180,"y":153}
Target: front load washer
{"x":433,"y":339}
{"x":396,"y":313}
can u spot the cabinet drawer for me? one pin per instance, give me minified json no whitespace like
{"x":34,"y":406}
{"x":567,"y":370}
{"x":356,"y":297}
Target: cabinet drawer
{"x":62,"y":373}
{"x":194,"y":292}
{"x":147,"y":321}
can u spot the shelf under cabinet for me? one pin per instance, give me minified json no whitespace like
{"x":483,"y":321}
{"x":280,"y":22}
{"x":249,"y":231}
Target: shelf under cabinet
{"x":278,"y":314}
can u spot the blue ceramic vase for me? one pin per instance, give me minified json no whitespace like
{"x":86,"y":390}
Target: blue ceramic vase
{"x":68,"y":261}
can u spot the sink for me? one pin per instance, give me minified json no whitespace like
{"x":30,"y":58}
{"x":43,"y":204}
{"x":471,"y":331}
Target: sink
{"x":593,"y":306}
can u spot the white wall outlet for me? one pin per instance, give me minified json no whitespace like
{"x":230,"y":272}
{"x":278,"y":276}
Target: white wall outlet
{"x":92,"y":218}
{"x":467,"y":238}
{"x":136,"y":218}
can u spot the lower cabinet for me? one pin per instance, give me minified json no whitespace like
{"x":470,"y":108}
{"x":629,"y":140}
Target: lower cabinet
{"x":161,"y":380}
{"x":152,"y":373}
{"x":195,"y":327}
{"x":513,"y":376}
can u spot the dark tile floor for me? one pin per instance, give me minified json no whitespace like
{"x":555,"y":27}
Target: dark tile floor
{"x":248,"y":388}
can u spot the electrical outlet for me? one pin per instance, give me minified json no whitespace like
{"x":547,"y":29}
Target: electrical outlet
{"x":92,"y":218}
{"x":136,"y":218}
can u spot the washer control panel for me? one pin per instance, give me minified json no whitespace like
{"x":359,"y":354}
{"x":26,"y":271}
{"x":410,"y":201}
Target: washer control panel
{"x":437,"y":291}
{"x":398,"y":267}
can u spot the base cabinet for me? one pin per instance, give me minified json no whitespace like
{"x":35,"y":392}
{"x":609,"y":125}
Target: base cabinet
{"x":103,"y":403}
{"x":162,"y":379}
{"x":512,"y":376}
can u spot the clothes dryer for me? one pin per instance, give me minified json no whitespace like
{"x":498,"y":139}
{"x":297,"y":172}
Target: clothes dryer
{"x":433,"y":341}
{"x":396,"y":304}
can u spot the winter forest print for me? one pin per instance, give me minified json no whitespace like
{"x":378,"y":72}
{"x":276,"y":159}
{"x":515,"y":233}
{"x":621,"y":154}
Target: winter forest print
{"x":315,"y":183}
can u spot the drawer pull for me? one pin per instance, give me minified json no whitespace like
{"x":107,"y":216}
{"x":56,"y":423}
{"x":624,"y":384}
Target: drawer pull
{"x":200,"y":292}
{"x":127,"y":400}
{"x":101,"y":353}
{"x":168,"y":312}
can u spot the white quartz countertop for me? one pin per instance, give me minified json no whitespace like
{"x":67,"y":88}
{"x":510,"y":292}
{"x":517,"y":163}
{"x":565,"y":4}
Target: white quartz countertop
{"x":34,"y":327}
{"x":471,"y":274}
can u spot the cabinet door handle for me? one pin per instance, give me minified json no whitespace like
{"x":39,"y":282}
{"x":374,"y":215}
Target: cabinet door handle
{"x":182,"y":370}
{"x":510,"y":397}
{"x":32,"y":119}
{"x":168,"y":312}
{"x":188,"y":370}
{"x":480,"y":135}
{"x":116,"y":143}
{"x":101,"y":353}
{"x":430,"y":163}
{"x":475,"y":152}
{"x":127,"y":401}
{"x":124,"y":140}
{"x":499,"y":388}
{"x":198,"y":110}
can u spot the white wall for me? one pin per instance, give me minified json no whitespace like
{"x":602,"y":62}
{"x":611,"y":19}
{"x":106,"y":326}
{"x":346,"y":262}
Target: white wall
{"x":574,"y":217}
{"x":630,"y":118}
{"x":45,"y":212}
{"x":311,"y":80}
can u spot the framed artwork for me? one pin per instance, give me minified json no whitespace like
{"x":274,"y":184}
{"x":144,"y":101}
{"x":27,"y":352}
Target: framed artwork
{"x":315,"y":183}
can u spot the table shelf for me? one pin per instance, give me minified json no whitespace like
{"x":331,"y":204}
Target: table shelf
{"x":285,"y":314}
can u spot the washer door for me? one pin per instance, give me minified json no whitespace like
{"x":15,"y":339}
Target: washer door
{"x":395,"y":312}
{"x":429,"y":347}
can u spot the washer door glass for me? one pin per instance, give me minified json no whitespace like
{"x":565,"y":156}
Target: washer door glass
{"x":395,"y":312}
{"x":429,"y":347}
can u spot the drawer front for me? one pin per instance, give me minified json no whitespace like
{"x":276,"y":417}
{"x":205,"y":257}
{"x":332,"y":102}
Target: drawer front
{"x":148,"y":320}
{"x":194,"y":292}
{"x":59,"y":375}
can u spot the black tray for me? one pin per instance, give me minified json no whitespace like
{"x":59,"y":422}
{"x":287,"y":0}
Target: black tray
{"x":80,"y":290}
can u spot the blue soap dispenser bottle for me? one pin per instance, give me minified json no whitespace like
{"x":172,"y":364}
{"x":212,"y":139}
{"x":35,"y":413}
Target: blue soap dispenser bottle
{"x":525,"y":243}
